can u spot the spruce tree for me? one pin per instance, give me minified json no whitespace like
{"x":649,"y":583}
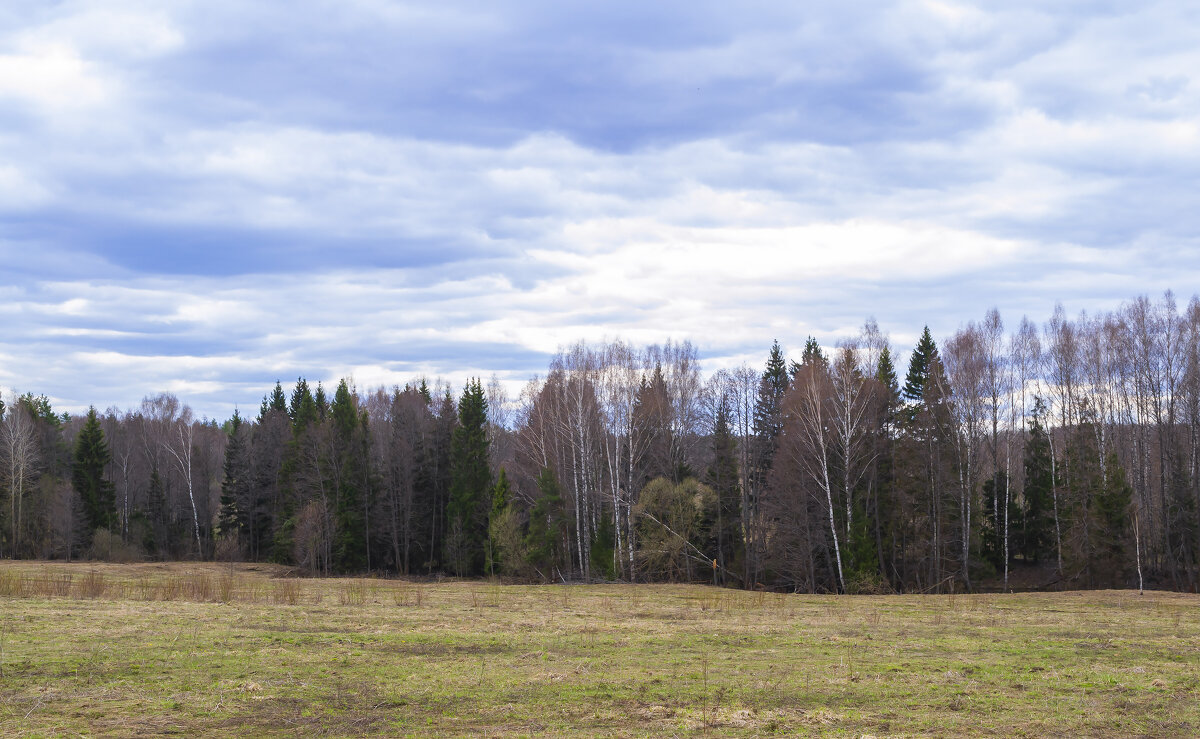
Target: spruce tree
{"x":501,"y":496}
{"x":722,"y":477}
{"x":1112,"y":524}
{"x":276,"y":401}
{"x":90,"y":460}
{"x":303,"y":408}
{"x":812,"y":354}
{"x":321,"y":402}
{"x":1037,"y":514}
{"x":235,"y":488}
{"x":470,"y":484}
{"x":918,"y":367}
{"x":766,"y":429}
{"x":885,"y":502}
{"x":768,"y":409}
{"x":156,"y":514}
{"x":352,"y":478}
{"x":547,"y":527}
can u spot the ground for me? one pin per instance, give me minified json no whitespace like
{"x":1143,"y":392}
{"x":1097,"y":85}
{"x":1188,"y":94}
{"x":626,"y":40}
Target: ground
{"x":153,"y":649}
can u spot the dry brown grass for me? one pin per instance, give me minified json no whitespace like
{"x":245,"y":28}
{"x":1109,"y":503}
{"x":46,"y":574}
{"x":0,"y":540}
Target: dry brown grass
{"x":249,"y":650}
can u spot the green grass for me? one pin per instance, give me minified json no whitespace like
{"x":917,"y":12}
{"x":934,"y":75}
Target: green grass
{"x":209,"y":650}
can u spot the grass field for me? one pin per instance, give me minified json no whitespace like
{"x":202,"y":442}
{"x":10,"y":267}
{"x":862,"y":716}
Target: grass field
{"x":151,"y":649}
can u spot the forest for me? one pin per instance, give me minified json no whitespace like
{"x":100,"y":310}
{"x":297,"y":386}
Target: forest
{"x":1056,"y":455}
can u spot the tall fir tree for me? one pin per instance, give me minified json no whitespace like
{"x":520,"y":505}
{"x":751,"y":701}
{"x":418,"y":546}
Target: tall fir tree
{"x":470,"y":483}
{"x":276,"y":401}
{"x":767,"y":426}
{"x":918,"y":367}
{"x":1037,"y":504}
{"x":90,"y":460}
{"x":235,"y":487}
{"x":351,"y":481}
{"x":723,"y":478}
{"x":501,"y":497}
{"x":302,"y":408}
{"x":547,"y":531}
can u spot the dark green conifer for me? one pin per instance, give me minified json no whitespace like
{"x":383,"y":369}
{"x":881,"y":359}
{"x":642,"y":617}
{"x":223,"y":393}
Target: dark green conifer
{"x":90,"y":460}
{"x":470,"y":483}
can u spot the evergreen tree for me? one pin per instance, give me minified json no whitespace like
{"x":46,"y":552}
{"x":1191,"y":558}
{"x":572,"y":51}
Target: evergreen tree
{"x":767,"y":425}
{"x":303,"y":407}
{"x":321,"y":402}
{"x":90,"y":460}
{"x":812,"y":355}
{"x":1112,"y":524}
{"x":470,"y":483}
{"x":351,"y":480}
{"x":547,"y":527}
{"x":501,"y":496}
{"x":1037,"y":511}
{"x":722,"y":477}
{"x":235,"y":488}
{"x":918,"y":367}
{"x":276,"y":401}
{"x":156,"y":514}
{"x":885,"y":506}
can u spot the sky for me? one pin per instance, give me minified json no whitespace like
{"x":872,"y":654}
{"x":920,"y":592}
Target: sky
{"x":205,"y":196}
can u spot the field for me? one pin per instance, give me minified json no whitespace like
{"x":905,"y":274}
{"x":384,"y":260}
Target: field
{"x":150,"y":649}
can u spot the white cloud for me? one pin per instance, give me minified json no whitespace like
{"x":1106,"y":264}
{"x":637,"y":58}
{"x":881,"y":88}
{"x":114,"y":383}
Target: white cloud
{"x":53,"y":79}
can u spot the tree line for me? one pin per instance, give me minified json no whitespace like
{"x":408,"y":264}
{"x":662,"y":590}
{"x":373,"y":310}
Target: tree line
{"x":1059,"y":455}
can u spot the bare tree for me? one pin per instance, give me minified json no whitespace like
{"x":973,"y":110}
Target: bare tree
{"x":966,"y":368}
{"x":18,"y":445}
{"x":811,"y":445}
{"x":174,"y":430}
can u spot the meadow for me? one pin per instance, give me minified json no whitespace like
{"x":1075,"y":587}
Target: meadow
{"x":249,"y":650}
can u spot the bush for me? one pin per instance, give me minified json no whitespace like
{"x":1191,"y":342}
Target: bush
{"x":109,"y":547}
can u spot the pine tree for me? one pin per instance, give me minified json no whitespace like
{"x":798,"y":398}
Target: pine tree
{"x":90,"y":460}
{"x":470,"y":483}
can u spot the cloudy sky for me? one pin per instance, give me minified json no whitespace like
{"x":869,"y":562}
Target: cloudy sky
{"x":205,"y":196}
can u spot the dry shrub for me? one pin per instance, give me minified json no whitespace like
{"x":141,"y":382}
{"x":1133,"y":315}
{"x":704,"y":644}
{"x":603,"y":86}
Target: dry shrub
{"x":408,"y":596}
{"x":286,"y":592}
{"x":226,"y":588}
{"x":59,"y":585}
{"x":92,"y":585}
{"x":867,"y":584}
{"x":170,"y":589}
{"x":12,"y":585}
{"x":145,"y":588}
{"x":198,"y":588}
{"x":353,"y":594}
